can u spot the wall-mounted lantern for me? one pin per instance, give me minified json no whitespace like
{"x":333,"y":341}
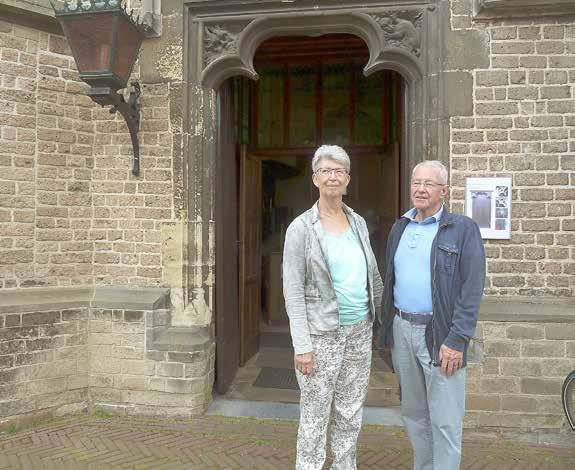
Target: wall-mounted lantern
{"x":105,"y":40}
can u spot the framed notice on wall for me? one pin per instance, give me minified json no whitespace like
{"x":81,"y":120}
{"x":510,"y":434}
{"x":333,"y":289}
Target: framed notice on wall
{"x":488,"y":203}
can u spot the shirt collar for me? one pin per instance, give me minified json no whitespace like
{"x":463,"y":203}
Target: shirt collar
{"x":411,"y":213}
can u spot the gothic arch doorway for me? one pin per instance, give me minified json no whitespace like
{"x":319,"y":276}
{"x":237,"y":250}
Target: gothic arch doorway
{"x":310,"y":91}
{"x":395,"y":41}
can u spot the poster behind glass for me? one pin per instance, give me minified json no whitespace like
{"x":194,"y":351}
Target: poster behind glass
{"x":488,"y":203}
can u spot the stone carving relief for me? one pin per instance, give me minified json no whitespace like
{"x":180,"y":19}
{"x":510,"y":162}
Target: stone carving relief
{"x":402,"y":29}
{"x":219,"y":41}
{"x":196,"y":313}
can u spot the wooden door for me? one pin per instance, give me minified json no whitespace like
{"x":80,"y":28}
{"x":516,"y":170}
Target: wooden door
{"x":226,"y":218}
{"x":250,"y":258}
{"x":390,"y":180}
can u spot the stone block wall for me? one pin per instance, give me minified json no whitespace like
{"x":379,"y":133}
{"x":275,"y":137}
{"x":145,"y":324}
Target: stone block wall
{"x":43,"y":361}
{"x":129,"y":212}
{"x":523,"y":126}
{"x":517,"y":386}
{"x":111,"y":348}
{"x":71,"y":212}
{"x":46,"y":157}
{"x":132,"y":372}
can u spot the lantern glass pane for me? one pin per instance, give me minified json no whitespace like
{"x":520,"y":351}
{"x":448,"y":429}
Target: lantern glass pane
{"x":90,"y":39}
{"x":127,"y":46}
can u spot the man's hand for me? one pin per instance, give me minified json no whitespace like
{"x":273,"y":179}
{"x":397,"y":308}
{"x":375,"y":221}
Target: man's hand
{"x":450,"y":359}
{"x":304,"y":363}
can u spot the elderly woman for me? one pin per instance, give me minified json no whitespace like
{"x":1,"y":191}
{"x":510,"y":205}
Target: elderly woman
{"x":331,"y":288}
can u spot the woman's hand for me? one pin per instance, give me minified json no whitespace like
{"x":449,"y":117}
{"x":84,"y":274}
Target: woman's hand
{"x":304,"y":363}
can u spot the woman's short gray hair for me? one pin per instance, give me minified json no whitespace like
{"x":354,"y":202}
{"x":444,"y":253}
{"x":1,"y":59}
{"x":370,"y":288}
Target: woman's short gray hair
{"x":333,"y":152}
{"x":434,"y":164}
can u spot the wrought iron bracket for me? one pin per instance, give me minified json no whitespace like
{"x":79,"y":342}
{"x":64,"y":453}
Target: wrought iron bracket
{"x":568,"y":398}
{"x":130,"y":111}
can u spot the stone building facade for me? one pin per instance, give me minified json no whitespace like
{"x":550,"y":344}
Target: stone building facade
{"x":108,"y":281}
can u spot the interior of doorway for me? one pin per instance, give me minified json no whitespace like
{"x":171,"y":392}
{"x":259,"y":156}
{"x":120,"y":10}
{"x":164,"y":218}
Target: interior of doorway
{"x":311,"y":91}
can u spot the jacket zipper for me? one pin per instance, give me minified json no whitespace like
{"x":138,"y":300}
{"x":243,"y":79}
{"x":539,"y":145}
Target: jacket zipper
{"x":432,"y":359}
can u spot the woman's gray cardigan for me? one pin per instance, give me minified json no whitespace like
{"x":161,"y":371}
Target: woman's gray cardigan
{"x":309,"y":294}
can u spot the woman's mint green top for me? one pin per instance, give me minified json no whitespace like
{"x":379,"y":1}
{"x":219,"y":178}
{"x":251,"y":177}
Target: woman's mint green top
{"x":348,"y":269}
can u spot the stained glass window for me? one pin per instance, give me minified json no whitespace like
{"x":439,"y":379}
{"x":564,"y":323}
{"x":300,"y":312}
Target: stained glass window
{"x":336,"y":103}
{"x":376,"y":106}
{"x":271,"y":107}
{"x":303,"y":83}
{"x":368,"y":113}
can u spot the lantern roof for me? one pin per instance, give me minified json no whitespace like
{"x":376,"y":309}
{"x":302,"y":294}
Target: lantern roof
{"x":76,"y":7}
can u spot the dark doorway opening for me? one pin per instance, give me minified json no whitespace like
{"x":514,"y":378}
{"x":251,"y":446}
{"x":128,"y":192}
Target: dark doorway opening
{"x":311,"y":91}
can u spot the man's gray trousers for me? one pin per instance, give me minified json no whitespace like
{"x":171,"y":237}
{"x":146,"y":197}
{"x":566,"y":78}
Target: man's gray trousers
{"x":432,"y":405}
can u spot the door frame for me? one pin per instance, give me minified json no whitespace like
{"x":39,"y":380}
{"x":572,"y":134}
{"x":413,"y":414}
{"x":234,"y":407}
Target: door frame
{"x":220,"y":39}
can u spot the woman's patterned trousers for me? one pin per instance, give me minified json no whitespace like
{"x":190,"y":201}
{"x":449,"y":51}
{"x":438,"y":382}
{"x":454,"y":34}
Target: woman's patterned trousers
{"x":337,"y":387}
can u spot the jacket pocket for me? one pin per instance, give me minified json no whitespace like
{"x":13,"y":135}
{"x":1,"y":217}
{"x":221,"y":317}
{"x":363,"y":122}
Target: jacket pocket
{"x":447,"y":257}
{"x":311,"y":292}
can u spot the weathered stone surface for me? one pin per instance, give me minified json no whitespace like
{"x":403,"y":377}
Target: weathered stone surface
{"x":502,"y":349}
{"x":521,"y":404}
{"x":525,"y":332}
{"x":170,"y":370}
{"x":521,"y":367}
{"x":467,"y":50}
{"x":459,"y":93}
{"x":500,"y":384}
{"x":560,"y":331}
{"x":535,"y":386}
{"x":543,"y":349}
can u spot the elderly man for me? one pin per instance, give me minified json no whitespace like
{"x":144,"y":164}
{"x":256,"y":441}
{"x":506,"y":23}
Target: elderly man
{"x":435,"y":273}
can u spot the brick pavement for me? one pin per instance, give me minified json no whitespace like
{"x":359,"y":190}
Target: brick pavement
{"x":106,"y":442}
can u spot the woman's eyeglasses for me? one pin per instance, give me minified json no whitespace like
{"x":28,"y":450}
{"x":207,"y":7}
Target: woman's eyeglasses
{"x":339,"y":172}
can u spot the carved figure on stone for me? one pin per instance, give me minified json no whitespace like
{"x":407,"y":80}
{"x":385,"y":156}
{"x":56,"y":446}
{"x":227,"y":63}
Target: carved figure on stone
{"x":196,"y":313}
{"x":402,"y":29}
{"x":218,"y":41}
{"x":202,"y":309}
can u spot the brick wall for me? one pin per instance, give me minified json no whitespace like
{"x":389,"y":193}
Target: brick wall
{"x":71,"y":212}
{"x":129,"y":211}
{"x":518,"y":385}
{"x":43,"y":361}
{"x":523,"y":126}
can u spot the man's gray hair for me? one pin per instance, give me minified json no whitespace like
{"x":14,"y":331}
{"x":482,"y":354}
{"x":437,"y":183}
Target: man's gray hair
{"x":443,"y":175}
{"x":333,"y":152}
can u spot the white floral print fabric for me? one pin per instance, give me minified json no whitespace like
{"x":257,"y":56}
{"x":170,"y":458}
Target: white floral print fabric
{"x":336,"y":389}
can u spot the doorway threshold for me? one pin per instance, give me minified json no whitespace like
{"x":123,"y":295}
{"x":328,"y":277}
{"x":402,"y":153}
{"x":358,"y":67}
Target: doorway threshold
{"x":372,"y":415}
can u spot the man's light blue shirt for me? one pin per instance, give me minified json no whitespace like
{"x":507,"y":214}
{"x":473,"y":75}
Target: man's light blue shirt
{"x":412,"y":264}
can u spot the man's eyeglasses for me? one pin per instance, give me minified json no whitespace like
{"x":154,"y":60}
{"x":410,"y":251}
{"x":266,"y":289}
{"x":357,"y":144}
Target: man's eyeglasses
{"x":426,"y":184}
{"x":339,"y":172}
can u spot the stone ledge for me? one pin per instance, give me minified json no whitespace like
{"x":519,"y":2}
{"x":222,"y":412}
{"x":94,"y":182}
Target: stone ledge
{"x":36,"y":14}
{"x":495,"y":9}
{"x":180,"y":339}
{"x":131,"y":299}
{"x":527,"y":309}
{"x":45,"y":298}
{"x":59,"y":298}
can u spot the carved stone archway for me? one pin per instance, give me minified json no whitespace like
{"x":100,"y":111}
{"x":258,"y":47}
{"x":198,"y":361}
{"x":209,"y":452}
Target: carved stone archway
{"x":221,"y":38}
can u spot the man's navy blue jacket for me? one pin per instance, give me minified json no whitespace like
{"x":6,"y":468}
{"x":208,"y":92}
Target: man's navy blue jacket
{"x":457,"y":281}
